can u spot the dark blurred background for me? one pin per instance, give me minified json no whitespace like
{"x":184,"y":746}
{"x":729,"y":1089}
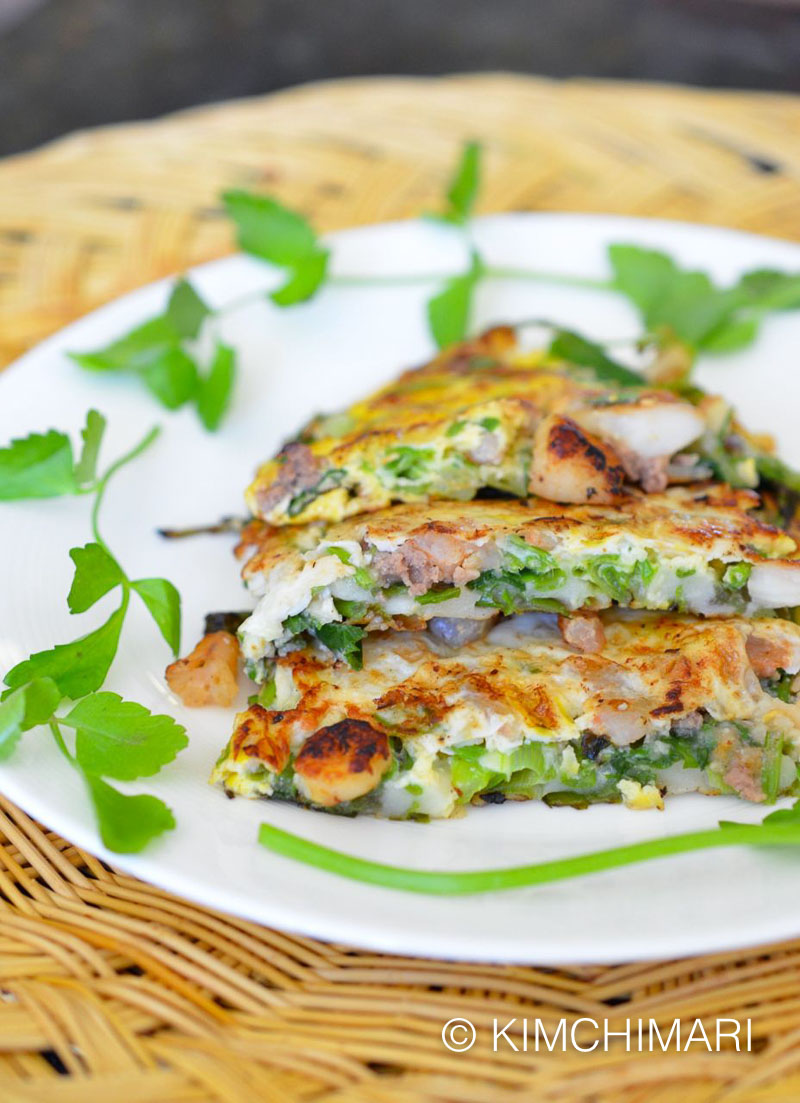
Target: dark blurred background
{"x":66,"y":64}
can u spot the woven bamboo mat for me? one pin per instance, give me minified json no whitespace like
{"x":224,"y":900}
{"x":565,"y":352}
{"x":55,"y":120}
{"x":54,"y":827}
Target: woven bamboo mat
{"x":139,"y":996}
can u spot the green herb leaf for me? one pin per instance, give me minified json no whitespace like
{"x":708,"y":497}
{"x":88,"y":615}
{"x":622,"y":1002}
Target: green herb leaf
{"x":731,"y":336}
{"x":37,"y":466}
{"x":214,"y":394}
{"x":449,"y":310}
{"x":186,"y":310}
{"x":171,"y":376}
{"x":306,"y":276}
{"x":779,"y":829}
{"x":122,"y":739}
{"x":687,"y":303}
{"x":164,"y":605}
{"x":12,"y":717}
{"x":127,"y":824}
{"x":153,"y":351}
{"x":136,"y":351}
{"x":643,"y":275}
{"x":575,"y":349}
{"x":684,"y":301}
{"x":92,"y":436}
{"x":77,"y":668}
{"x":766,"y":289}
{"x":42,"y":696}
{"x":464,"y":186}
{"x":96,"y":572}
{"x":269,"y":230}
{"x":25,"y":708}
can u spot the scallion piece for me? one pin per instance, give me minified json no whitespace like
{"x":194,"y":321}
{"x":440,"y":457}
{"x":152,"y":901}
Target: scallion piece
{"x":433,"y":597}
{"x":781,"y":828}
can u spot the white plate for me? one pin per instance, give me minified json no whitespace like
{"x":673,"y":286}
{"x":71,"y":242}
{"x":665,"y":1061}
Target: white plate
{"x":317,"y":357}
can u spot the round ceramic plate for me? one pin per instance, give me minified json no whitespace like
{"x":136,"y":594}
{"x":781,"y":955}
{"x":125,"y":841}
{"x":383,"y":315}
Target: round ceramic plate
{"x":318,"y":357}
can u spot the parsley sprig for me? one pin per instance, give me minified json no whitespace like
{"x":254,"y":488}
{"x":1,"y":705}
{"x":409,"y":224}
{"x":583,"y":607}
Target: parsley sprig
{"x":267,"y":229}
{"x":112,"y":738}
{"x":687,"y":304}
{"x":163,"y":354}
{"x":42,"y":465}
{"x":464,"y":187}
{"x":675,"y":304}
{"x":450,"y":309}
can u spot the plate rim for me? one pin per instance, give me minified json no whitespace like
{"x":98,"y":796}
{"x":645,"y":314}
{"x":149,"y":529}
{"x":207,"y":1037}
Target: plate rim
{"x":333,"y":929}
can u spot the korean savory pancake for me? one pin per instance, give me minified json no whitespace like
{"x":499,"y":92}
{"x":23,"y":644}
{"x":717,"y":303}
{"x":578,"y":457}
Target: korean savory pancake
{"x":456,"y":567}
{"x":484,"y":414}
{"x":668,"y":704}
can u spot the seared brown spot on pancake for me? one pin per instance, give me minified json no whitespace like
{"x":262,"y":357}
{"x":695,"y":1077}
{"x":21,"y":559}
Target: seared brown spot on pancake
{"x":666,"y":710}
{"x":571,"y":465}
{"x":342,"y":762}
{"x":567,"y":439}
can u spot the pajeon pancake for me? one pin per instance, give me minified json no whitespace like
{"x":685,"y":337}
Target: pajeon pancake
{"x":482,"y":414}
{"x":669,"y":705}
{"x":462,"y":564}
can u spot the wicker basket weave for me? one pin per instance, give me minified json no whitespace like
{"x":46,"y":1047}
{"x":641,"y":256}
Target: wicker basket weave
{"x":142,"y":997}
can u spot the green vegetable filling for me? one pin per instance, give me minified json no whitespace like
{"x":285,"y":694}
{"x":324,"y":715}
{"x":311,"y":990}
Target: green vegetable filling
{"x":780,"y":687}
{"x":736,"y":576}
{"x":331,"y":479}
{"x":408,"y":465}
{"x":590,"y":770}
{"x":439,"y":593}
{"x":344,"y":640}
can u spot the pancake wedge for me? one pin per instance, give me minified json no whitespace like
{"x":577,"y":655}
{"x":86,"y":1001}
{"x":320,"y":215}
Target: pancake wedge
{"x":669,"y":705}
{"x":483,"y":414}
{"x":460,"y":565}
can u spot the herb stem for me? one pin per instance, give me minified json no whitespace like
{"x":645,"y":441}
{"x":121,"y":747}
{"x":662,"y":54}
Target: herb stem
{"x":447,"y":883}
{"x":391,"y":281}
{"x":549,"y":277}
{"x":490,"y":273}
{"x":59,"y":738}
{"x":259,"y":296}
{"x":103,"y":483}
{"x":416,"y":278}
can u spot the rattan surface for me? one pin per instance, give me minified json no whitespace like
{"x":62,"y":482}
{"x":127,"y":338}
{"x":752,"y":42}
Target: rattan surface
{"x":139,"y":996}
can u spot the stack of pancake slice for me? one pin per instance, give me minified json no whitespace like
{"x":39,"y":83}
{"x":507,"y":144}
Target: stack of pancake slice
{"x":508,"y":577}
